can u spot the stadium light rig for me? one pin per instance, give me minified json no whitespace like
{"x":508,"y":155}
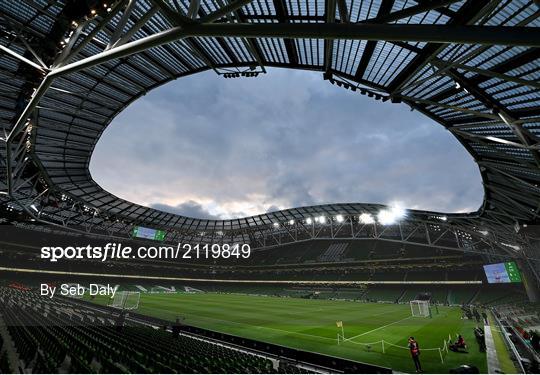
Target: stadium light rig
{"x":366,"y":219}
{"x":320,"y":219}
{"x":439,"y":217}
{"x":391,"y":215}
{"x":354,"y":87}
{"x":309,"y":221}
{"x":340,"y":219}
{"x":291,"y":222}
{"x":241,"y":74}
{"x":513,"y":247}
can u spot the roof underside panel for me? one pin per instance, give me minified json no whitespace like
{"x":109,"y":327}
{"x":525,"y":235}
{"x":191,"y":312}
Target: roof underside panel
{"x":488,"y":96}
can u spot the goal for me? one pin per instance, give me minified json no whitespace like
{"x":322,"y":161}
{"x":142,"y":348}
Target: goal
{"x":420,"y":308}
{"x":126,"y":300}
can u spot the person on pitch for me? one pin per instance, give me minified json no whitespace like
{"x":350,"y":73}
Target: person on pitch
{"x":459,"y":346}
{"x":415,"y":353}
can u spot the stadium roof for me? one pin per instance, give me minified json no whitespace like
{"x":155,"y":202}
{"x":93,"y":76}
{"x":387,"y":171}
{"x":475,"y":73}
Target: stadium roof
{"x":67,"y":68}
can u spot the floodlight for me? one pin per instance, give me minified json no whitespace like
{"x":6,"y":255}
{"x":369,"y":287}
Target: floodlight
{"x":276,"y":225}
{"x":513,"y":247}
{"x":320,"y":219}
{"x":391,"y":214}
{"x":291,"y":222}
{"x":309,"y":221}
{"x":33,"y":206}
{"x":385,"y":217}
{"x":339,"y":218}
{"x":444,"y":218}
{"x":366,"y":218}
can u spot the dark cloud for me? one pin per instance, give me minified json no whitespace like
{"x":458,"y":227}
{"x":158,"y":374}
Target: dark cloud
{"x":272,"y":209}
{"x":208,"y":146}
{"x":190,"y":208}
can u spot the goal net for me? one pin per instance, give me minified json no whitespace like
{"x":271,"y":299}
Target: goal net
{"x":420,"y":308}
{"x":126,"y":300}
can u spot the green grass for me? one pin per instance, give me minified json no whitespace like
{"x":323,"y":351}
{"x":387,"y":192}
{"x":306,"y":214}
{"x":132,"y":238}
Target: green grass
{"x":506,"y":363}
{"x":311,"y":325}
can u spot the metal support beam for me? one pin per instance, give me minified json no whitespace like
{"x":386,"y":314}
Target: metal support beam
{"x":343,"y":12}
{"x":179,"y":19}
{"x":386,"y":7}
{"x":436,"y":33}
{"x":119,"y":29}
{"x":490,"y":35}
{"x":229,"y":8}
{"x":194,"y":6}
{"x":65,"y":57}
{"x":137,"y":26}
{"x":487,"y":73}
{"x":21,"y":58}
{"x":329,"y":43}
{"x":282,"y":15}
{"x":410,"y":11}
{"x":471,"y":11}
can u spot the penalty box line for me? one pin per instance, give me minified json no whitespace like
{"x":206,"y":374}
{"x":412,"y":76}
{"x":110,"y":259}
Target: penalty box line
{"x":376,"y":329}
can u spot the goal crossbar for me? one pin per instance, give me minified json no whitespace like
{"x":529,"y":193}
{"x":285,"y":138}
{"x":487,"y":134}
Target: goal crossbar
{"x":420,"y":308}
{"x":126,"y":300}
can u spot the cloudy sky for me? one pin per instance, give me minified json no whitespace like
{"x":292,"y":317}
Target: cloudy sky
{"x":210,"y":147}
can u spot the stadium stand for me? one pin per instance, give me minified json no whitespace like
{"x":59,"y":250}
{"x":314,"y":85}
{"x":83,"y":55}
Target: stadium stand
{"x":520,"y":324}
{"x":422,"y":264}
{"x":59,"y":328}
{"x":58,"y":335}
{"x":334,"y":253}
{"x":69,"y":67}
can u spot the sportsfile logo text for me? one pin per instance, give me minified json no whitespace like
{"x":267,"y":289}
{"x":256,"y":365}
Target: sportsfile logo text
{"x":118,"y":251}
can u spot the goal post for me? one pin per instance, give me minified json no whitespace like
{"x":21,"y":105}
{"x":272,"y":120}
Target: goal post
{"x":420,"y":308}
{"x":126,"y":300}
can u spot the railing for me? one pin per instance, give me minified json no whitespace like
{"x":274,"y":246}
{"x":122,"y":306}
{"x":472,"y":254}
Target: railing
{"x":509,"y":344}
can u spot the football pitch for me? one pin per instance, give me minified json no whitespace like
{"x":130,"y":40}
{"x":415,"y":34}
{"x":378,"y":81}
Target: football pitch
{"x":311,"y":325}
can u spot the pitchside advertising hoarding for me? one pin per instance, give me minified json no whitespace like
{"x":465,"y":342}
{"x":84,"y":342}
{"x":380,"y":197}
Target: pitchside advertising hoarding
{"x":507,"y":272}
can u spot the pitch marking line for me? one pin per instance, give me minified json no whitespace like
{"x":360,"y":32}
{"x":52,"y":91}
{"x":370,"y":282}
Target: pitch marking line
{"x":376,"y":329}
{"x":255,"y":326}
{"x":290,"y":332}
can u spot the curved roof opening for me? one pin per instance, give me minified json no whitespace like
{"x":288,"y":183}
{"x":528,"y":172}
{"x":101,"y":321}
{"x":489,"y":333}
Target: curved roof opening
{"x":209,"y":147}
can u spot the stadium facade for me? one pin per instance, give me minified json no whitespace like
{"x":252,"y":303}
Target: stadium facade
{"x":473,"y":66}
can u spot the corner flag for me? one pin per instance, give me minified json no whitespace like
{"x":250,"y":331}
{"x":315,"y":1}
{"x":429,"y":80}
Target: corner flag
{"x":341,"y":337}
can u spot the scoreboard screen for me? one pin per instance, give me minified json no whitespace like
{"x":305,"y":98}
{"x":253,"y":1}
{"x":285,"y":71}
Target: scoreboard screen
{"x":148,"y":233}
{"x":502,"y":273}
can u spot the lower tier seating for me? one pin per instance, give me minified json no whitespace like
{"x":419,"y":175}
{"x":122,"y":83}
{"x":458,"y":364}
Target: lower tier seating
{"x":52,"y":336}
